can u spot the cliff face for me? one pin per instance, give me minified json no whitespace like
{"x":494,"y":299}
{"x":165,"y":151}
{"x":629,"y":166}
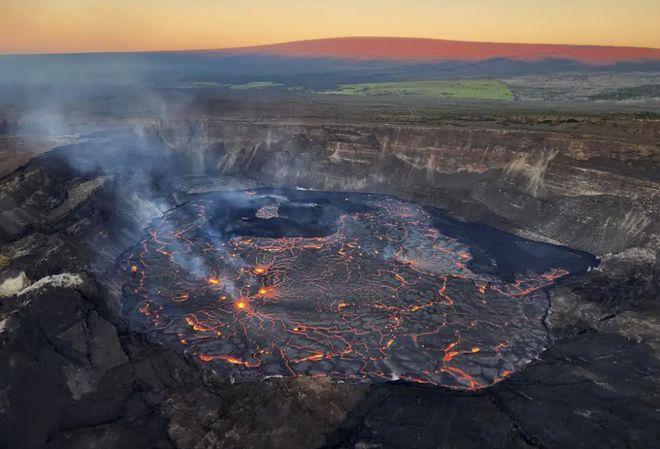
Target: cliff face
{"x":593,"y":191}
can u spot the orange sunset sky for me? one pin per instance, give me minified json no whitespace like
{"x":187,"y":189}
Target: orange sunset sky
{"x":61,"y":26}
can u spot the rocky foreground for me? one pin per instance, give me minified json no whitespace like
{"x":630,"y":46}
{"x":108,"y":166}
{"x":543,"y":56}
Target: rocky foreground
{"x":73,"y":375}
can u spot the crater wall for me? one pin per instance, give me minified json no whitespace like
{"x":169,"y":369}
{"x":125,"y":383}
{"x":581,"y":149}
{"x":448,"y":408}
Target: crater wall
{"x":593,"y":189}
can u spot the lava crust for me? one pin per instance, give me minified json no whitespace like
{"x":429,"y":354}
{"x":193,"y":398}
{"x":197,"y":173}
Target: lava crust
{"x":352,"y":286}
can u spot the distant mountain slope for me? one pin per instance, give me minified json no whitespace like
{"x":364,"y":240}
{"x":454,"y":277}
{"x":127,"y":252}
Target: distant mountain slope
{"x":417,"y":49}
{"x":327,"y":64}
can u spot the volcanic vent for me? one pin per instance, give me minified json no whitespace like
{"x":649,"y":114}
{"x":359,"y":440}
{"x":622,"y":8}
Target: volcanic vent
{"x":352,"y":286}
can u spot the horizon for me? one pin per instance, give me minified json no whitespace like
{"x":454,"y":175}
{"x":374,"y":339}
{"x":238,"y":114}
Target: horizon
{"x":238,"y":49}
{"x":92,"y":26}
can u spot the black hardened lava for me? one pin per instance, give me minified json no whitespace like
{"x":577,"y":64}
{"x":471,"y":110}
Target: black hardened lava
{"x":352,"y":286}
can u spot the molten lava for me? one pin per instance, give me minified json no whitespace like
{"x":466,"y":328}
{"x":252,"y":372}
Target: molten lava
{"x":383,"y":295}
{"x":260,"y":269}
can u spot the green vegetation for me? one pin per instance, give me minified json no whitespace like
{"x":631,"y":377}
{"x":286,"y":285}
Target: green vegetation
{"x":485,"y":89}
{"x":254,"y":85}
{"x":467,"y":89}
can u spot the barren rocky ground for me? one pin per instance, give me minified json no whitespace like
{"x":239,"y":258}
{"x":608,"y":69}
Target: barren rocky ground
{"x":73,"y":373}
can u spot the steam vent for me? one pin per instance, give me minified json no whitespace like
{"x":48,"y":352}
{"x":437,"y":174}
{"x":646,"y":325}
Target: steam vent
{"x":360,"y":288}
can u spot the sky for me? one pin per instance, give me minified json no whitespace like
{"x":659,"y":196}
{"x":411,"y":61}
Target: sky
{"x":65,"y":26}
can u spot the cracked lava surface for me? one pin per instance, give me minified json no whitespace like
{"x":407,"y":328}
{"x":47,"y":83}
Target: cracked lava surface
{"x":352,"y":286}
